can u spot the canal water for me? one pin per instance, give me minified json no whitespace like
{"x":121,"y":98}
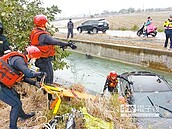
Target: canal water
{"x":91,"y":72}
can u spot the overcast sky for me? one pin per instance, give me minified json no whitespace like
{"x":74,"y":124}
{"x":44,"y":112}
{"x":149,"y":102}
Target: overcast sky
{"x":75,"y":7}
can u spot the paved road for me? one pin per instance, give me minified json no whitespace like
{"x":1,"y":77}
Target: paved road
{"x":119,"y":33}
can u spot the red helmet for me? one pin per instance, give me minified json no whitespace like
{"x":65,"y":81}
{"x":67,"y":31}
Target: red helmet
{"x":113,"y":74}
{"x":40,"y":20}
{"x":33,"y":52}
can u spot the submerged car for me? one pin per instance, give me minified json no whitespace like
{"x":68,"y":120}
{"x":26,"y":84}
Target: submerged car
{"x":149,"y":99}
{"x":94,"y":26}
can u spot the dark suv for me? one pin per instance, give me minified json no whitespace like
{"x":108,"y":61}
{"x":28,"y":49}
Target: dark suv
{"x":94,"y":26}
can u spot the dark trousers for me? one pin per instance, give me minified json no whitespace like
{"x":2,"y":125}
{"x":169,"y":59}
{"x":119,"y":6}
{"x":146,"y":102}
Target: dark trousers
{"x":45,"y":65}
{"x":70,"y":32}
{"x":111,"y":89}
{"x":12,"y":98}
{"x":168,"y":35}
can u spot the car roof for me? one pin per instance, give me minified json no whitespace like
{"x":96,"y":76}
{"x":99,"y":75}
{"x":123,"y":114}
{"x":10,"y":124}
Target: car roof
{"x":90,"y":20}
{"x":98,"y":20}
{"x":144,"y":81}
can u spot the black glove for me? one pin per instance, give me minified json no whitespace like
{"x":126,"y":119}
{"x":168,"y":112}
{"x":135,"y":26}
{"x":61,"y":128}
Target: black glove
{"x":43,"y":74}
{"x":71,"y":44}
{"x":37,"y":84}
{"x":131,"y":83}
{"x":63,"y":47}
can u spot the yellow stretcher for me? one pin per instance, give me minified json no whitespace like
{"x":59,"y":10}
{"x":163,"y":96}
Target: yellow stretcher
{"x":67,"y":92}
{"x":63,"y":92}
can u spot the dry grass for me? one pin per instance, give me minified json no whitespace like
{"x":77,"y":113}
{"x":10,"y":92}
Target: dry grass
{"x":129,"y":20}
{"x":108,"y":109}
{"x":34,"y":100}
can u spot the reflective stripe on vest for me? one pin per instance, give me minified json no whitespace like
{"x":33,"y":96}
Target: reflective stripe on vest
{"x":8,"y":75}
{"x":168,"y":24}
{"x":46,"y":50}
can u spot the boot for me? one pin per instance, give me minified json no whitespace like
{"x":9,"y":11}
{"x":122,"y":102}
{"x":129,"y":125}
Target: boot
{"x":27,"y":116}
{"x":31,"y":114}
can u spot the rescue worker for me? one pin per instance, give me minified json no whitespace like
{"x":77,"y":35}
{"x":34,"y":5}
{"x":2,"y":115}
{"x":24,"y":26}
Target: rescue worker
{"x":13,"y":67}
{"x":70,"y":27}
{"x":168,"y":32}
{"x":42,"y":39}
{"x":112,"y":81}
{"x":4,"y":45}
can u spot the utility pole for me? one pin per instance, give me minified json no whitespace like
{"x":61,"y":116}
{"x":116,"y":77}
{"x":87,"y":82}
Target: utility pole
{"x":143,"y":8}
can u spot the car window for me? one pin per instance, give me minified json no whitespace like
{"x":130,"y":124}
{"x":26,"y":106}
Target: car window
{"x":85,"y":23}
{"x":101,"y":23}
{"x":144,"y":83}
{"x":88,"y":22}
{"x":93,"y":22}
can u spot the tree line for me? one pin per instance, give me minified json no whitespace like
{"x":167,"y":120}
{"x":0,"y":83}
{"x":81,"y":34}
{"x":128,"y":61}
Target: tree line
{"x":132,"y":10}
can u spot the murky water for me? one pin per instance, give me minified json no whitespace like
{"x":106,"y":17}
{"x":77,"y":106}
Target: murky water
{"x":91,"y":73}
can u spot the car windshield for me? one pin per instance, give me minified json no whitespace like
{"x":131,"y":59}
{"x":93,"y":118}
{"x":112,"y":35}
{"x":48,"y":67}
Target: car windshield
{"x":147,"y":83}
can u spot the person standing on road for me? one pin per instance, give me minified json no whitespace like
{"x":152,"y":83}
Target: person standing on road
{"x":112,"y":81}
{"x":42,"y":39}
{"x":14,"y":68}
{"x":4,"y":45}
{"x":70,"y":27}
{"x":168,"y":32}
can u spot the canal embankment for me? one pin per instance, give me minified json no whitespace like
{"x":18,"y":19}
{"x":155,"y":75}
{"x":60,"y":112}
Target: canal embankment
{"x":146,"y":57}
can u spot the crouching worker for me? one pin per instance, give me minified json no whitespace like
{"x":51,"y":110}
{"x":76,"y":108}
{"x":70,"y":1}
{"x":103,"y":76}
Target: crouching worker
{"x":13,"y":68}
{"x":112,"y":81}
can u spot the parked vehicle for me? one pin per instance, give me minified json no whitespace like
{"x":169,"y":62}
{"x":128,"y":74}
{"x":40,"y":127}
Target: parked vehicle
{"x":94,"y":26}
{"x":151,"y":30}
{"x":149,"y":99}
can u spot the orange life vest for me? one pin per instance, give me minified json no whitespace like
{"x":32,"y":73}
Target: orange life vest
{"x":46,"y":50}
{"x":112,"y":83}
{"x":9,"y":75}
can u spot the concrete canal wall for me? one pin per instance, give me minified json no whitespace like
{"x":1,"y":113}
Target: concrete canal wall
{"x":157,"y":59}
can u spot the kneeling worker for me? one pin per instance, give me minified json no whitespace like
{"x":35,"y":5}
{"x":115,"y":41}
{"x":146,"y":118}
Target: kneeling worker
{"x":13,"y":67}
